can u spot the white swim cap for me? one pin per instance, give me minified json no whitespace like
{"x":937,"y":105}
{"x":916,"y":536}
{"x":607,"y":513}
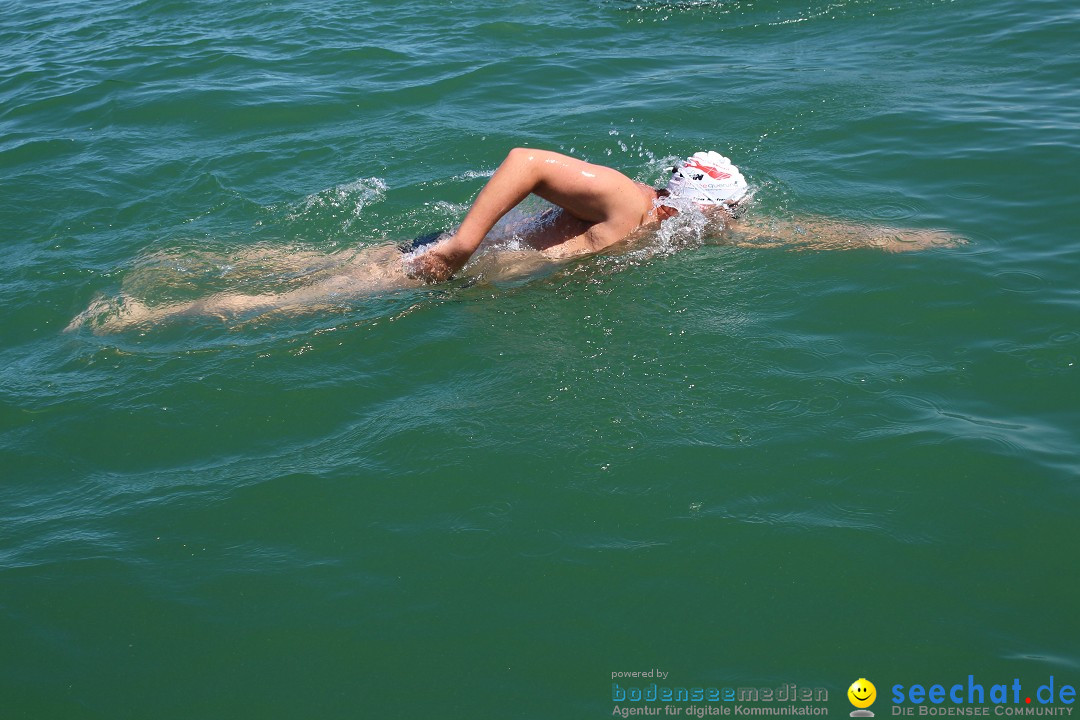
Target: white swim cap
{"x":707,"y":178}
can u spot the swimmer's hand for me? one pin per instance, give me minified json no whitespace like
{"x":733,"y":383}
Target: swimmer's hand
{"x":435,"y":265}
{"x":439,"y":262}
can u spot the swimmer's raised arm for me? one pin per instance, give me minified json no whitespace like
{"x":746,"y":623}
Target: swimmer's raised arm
{"x":611,"y":204}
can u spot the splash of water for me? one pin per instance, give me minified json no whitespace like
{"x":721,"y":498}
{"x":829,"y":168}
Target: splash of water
{"x":342,"y":203}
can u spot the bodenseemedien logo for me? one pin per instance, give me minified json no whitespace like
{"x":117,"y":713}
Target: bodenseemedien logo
{"x":862,"y":695}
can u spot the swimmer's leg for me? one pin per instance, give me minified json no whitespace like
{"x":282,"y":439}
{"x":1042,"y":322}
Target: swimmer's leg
{"x":377,"y":269}
{"x":123,"y":312}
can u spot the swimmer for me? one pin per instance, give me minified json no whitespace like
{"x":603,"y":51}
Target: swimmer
{"x":595,"y":207}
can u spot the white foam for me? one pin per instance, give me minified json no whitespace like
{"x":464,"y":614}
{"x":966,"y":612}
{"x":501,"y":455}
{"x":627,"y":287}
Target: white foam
{"x":353,"y":197}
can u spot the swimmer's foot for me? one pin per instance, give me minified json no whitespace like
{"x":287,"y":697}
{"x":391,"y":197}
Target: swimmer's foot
{"x":97,"y":307}
{"x":111,"y":314}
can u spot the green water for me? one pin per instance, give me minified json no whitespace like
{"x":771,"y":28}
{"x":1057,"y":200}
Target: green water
{"x":744,"y":466}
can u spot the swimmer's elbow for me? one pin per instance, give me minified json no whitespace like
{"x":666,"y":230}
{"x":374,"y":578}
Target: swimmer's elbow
{"x":520,"y":156}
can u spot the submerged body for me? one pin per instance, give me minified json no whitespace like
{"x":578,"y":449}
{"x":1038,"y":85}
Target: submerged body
{"x":595,"y":207}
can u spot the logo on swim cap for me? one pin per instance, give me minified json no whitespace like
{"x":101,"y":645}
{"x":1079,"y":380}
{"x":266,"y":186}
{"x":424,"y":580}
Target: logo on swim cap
{"x":714,"y":173}
{"x":707,"y":178}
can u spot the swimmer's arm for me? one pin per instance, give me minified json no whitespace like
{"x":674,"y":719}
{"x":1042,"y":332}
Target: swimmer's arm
{"x":821,"y":233}
{"x":592,"y":193}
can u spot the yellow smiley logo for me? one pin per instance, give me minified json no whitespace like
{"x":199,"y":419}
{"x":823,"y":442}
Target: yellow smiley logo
{"x":862,"y":693}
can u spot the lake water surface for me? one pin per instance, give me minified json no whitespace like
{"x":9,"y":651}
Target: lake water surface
{"x":743,"y":466}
